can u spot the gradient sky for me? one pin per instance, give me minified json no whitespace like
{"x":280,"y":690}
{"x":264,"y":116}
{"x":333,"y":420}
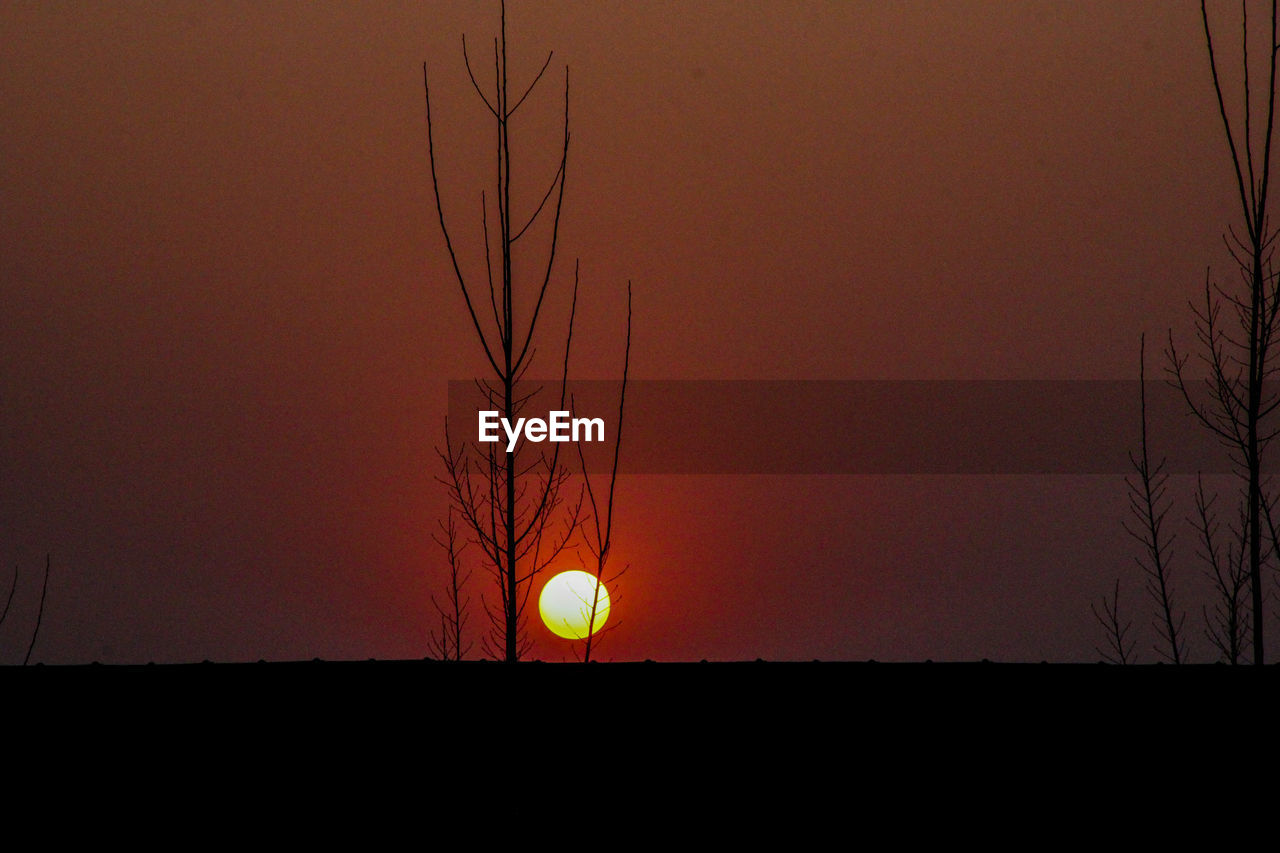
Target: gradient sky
{"x":229,"y":320}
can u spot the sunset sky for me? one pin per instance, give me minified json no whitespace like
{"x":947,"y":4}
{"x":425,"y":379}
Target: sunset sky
{"x":230,"y":321}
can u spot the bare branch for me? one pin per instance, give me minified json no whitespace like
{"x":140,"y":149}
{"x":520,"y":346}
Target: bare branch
{"x":466,"y":60}
{"x":8,"y":601}
{"x":541,"y":71}
{"x":1119,"y":648}
{"x":1147,"y":501}
{"x":448,"y":242}
{"x":44,"y":590}
{"x":555,"y":227}
{"x":1226,"y":123}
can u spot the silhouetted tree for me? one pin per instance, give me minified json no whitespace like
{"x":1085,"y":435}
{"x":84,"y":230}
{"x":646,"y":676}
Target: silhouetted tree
{"x":1149,"y":503}
{"x":449,"y":643}
{"x":13,"y":587}
{"x":1227,"y":624}
{"x":1119,"y":646}
{"x":513,"y":505}
{"x":602,"y":512}
{"x":44,"y":592}
{"x":1241,"y":361}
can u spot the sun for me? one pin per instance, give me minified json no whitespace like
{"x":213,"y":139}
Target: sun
{"x":565,"y":605}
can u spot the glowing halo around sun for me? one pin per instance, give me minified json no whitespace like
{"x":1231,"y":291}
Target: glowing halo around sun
{"x":565,"y":605}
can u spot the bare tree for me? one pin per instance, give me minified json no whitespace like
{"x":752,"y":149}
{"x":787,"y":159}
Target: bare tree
{"x":1240,"y":359}
{"x":1149,"y":503}
{"x":1119,"y":646}
{"x":13,"y":587}
{"x":1227,"y":624}
{"x":449,"y":644}
{"x":509,"y":502}
{"x":44,"y":593}
{"x":598,"y":544}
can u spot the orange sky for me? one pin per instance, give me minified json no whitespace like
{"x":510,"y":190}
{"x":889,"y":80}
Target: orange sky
{"x":230,"y":320}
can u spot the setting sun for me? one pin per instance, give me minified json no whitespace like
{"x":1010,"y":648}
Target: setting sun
{"x":565,"y":605}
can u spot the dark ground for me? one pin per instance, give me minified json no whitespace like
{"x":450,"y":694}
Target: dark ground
{"x":832,"y":696}
{"x":850,"y":737}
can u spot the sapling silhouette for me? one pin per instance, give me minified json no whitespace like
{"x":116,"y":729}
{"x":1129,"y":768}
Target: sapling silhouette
{"x":1148,"y":501}
{"x":1119,"y":646}
{"x":44,"y":592}
{"x":598,"y":544}
{"x":1227,"y":624}
{"x":449,"y":643}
